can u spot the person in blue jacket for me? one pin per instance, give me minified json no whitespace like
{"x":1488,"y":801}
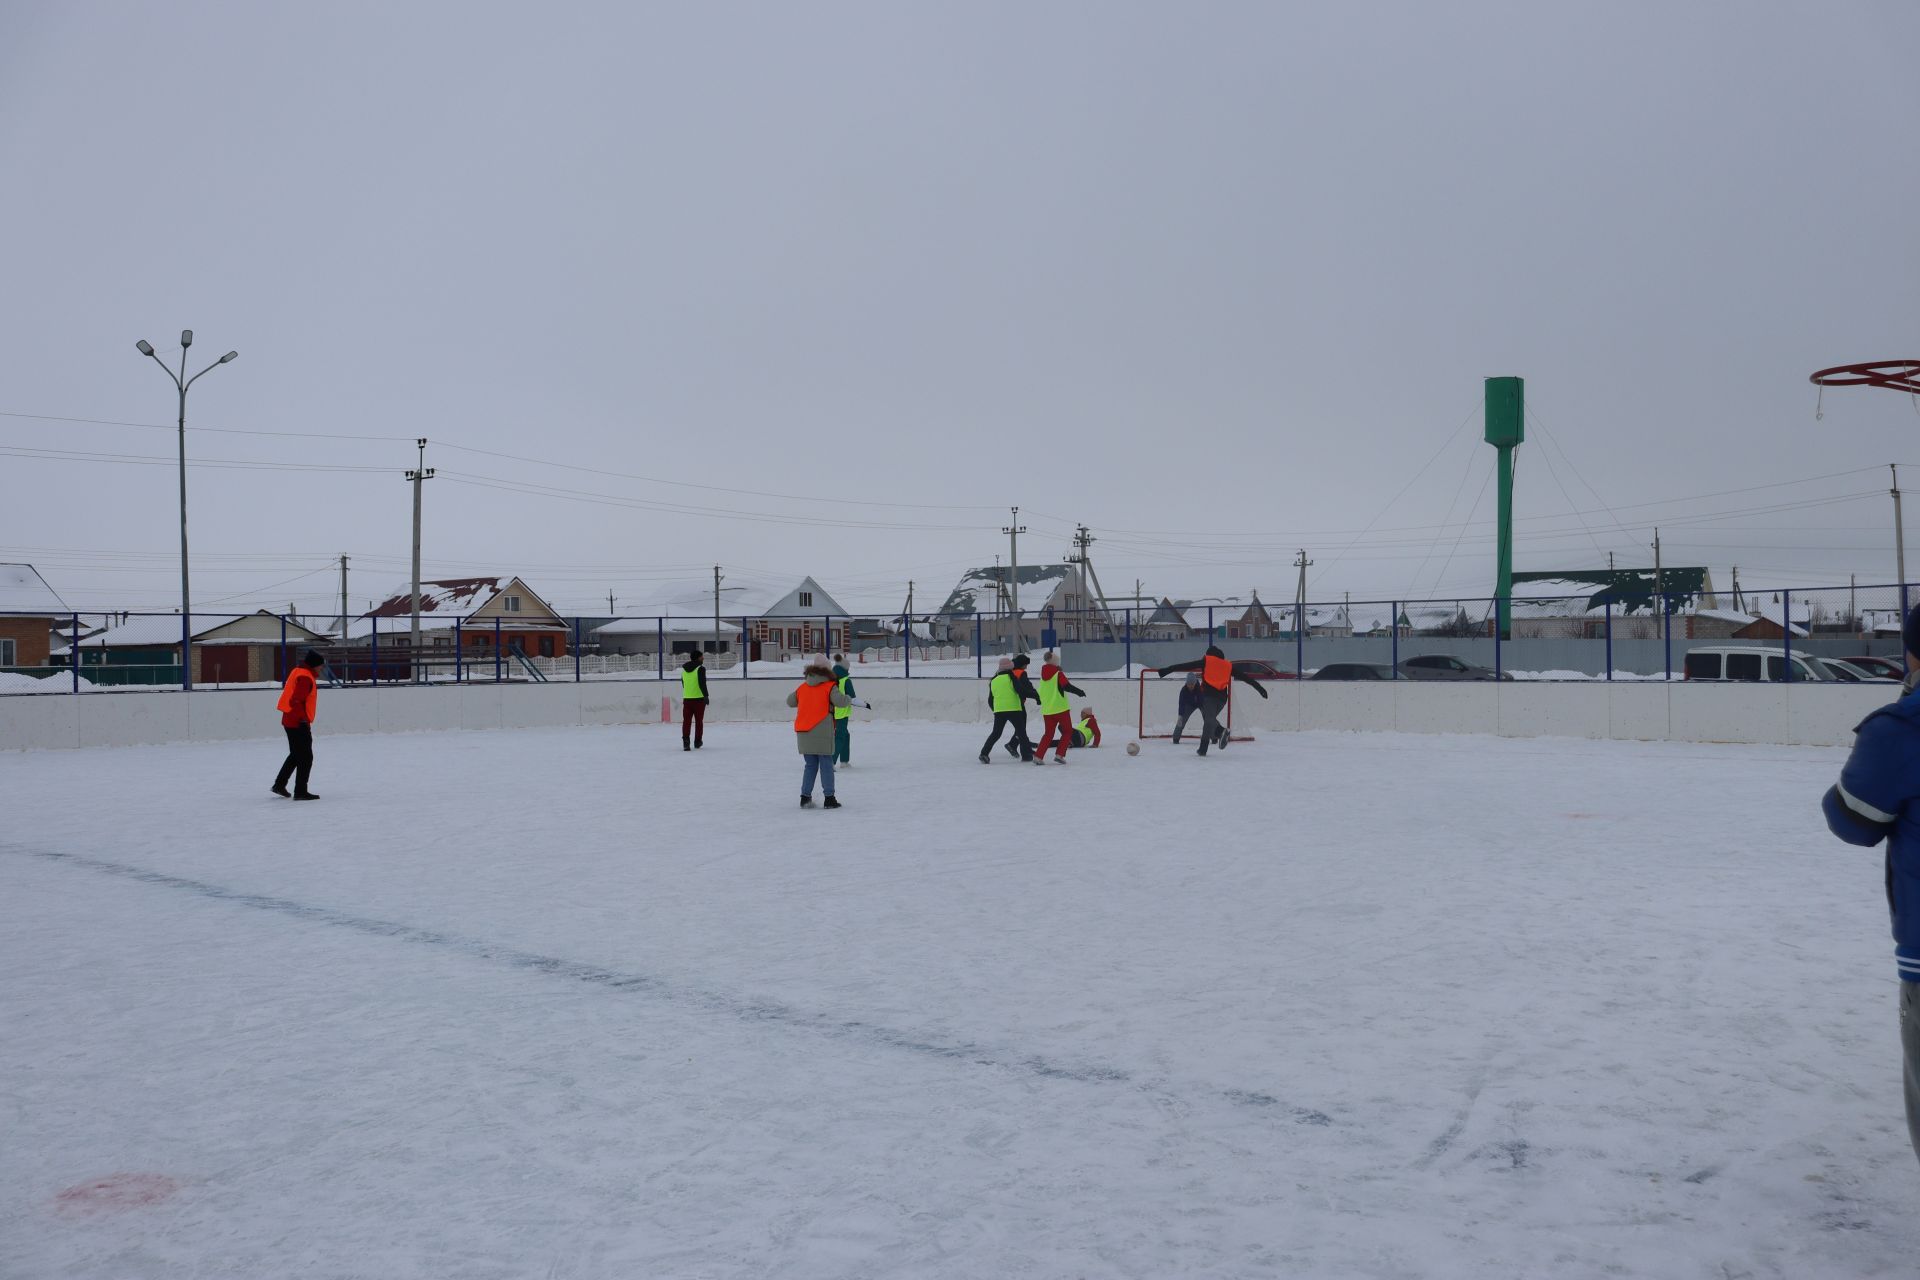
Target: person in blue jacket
{"x":1878,"y":798}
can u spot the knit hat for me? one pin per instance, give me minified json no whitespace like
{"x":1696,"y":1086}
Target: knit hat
{"x":312,"y":658}
{"x":1021,"y":660}
{"x":1006,"y":664}
{"x":1910,"y":634}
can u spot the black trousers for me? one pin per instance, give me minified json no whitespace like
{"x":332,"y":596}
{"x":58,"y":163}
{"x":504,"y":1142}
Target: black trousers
{"x":1211,"y":730}
{"x":1017,"y":720}
{"x":299,"y":758}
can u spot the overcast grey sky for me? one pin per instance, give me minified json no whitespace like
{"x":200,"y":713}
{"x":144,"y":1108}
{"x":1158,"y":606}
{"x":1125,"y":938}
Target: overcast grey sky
{"x":1219,"y":280}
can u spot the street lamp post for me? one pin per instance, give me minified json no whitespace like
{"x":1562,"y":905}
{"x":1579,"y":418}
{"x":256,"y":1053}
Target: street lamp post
{"x":181,"y":383}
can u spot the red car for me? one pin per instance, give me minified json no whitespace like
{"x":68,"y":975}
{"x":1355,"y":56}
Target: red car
{"x":1259,"y":670}
{"x":1887,"y":667}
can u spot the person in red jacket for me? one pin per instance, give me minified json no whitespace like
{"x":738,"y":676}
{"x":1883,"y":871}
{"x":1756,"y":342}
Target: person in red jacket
{"x":1053,"y":689}
{"x":299,"y":698}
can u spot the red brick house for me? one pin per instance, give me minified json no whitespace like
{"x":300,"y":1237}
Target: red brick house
{"x":30,"y":612}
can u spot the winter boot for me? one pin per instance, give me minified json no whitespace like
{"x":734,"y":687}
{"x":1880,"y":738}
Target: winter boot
{"x":831,"y":803}
{"x":806,"y":802}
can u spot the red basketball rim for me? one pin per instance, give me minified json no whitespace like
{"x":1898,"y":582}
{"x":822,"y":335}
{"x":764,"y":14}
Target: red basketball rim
{"x":1896,"y":375}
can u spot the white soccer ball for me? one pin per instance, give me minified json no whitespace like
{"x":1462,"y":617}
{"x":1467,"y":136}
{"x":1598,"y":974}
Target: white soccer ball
{"x":1133,"y":748}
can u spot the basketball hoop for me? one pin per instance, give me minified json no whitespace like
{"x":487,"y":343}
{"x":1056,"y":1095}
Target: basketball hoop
{"x":1895,"y":375}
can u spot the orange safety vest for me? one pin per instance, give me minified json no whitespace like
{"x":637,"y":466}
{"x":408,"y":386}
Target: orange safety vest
{"x":308,"y":699}
{"x":816,"y":704}
{"x":1216,"y":672}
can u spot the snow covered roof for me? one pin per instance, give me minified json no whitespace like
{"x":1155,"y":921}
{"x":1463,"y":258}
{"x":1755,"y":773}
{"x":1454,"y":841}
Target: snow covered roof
{"x":978,"y":590}
{"x":449,"y":595}
{"x":155,"y":629}
{"x":690,"y":626}
{"x":23,"y":590}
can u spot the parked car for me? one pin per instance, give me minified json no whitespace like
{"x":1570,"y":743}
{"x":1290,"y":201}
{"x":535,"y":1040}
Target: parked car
{"x":1444,"y":666}
{"x":1751,"y":662}
{"x":1354,"y":671}
{"x":1889,"y":668}
{"x":1851,"y":673}
{"x":1262,"y":670}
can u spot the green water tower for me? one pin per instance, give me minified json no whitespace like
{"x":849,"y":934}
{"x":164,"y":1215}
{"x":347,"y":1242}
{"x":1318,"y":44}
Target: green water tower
{"x":1506,"y":428}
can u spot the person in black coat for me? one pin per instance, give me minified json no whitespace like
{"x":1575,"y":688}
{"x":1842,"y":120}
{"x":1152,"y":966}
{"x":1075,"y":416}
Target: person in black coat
{"x":1216,"y":673}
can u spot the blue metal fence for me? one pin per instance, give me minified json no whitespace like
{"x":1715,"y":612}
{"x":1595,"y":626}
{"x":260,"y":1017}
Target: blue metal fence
{"x":1602,"y":636}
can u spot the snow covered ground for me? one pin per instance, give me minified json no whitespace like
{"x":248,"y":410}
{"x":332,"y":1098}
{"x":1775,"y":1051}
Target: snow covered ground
{"x":573,"y":1003}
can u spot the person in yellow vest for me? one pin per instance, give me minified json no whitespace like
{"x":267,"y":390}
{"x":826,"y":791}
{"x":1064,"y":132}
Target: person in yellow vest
{"x":1054,"y":688}
{"x":693,"y":702}
{"x":299,"y":699}
{"x":1087,"y":732}
{"x":1007,"y":694}
{"x":1216,"y":674}
{"x":843,"y":716}
{"x":814,"y":703}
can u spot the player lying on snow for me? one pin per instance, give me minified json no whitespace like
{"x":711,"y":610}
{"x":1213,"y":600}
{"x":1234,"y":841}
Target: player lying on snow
{"x":1216,"y":673}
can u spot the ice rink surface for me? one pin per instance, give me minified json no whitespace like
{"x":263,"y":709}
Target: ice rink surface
{"x":573,"y":1003}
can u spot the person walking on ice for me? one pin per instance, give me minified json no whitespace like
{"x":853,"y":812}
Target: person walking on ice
{"x":1053,"y":689}
{"x":1007,"y":694}
{"x":1878,"y":798}
{"x":814,"y":701}
{"x":693,"y":702}
{"x":842,"y":716}
{"x":1216,"y":674}
{"x":299,"y":699}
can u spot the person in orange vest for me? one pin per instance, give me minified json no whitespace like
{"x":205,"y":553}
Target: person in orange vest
{"x":1216,"y":673}
{"x":299,"y":697}
{"x":813,"y":703}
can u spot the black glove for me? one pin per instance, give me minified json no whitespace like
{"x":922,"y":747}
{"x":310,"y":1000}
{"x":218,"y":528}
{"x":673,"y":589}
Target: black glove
{"x":1261,"y":690}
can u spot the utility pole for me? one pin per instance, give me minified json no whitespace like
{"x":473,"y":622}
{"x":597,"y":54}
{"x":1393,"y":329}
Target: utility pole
{"x":1609,"y":562}
{"x":343,"y":599}
{"x":1085,"y":540}
{"x":417,"y":477}
{"x":1738,"y":606}
{"x":1853,"y":612}
{"x":609,"y":602}
{"x":1013,"y":532}
{"x":1300,"y":595}
{"x":1659,"y":600}
{"x":1899,"y":539}
{"x":717,"y":580}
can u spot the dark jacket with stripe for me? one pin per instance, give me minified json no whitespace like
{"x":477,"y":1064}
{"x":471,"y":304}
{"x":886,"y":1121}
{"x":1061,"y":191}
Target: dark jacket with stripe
{"x":1878,"y":798}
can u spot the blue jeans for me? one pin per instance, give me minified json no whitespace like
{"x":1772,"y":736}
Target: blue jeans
{"x":822,"y":766}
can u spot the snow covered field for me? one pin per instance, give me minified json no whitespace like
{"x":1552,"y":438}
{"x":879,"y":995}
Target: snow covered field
{"x":572,"y":1003}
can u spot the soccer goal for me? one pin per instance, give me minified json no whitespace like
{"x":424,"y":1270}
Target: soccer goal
{"x":1160,"y":709}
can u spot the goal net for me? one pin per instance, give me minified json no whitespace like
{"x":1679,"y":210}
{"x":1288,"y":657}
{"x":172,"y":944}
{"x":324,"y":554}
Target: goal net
{"x":1160,"y":710}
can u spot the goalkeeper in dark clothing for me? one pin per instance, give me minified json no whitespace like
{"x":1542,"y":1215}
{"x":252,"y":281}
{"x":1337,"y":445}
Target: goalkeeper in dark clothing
{"x":1216,"y":673}
{"x":1008,"y":693}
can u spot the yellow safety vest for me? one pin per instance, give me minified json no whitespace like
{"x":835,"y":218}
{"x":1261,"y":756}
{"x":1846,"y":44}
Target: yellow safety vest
{"x":1052,"y":701}
{"x":1003,"y":696}
{"x":690,"y":683}
{"x":841,"y":713}
{"x":1085,"y":729}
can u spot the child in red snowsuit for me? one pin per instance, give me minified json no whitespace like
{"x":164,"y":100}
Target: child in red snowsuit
{"x":1054,"y":687}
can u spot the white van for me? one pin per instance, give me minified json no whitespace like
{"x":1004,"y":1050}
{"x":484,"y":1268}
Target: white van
{"x":1752,"y":662}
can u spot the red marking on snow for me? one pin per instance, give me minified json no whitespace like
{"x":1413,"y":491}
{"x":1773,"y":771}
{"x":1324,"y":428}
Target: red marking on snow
{"x":116,"y":1193}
